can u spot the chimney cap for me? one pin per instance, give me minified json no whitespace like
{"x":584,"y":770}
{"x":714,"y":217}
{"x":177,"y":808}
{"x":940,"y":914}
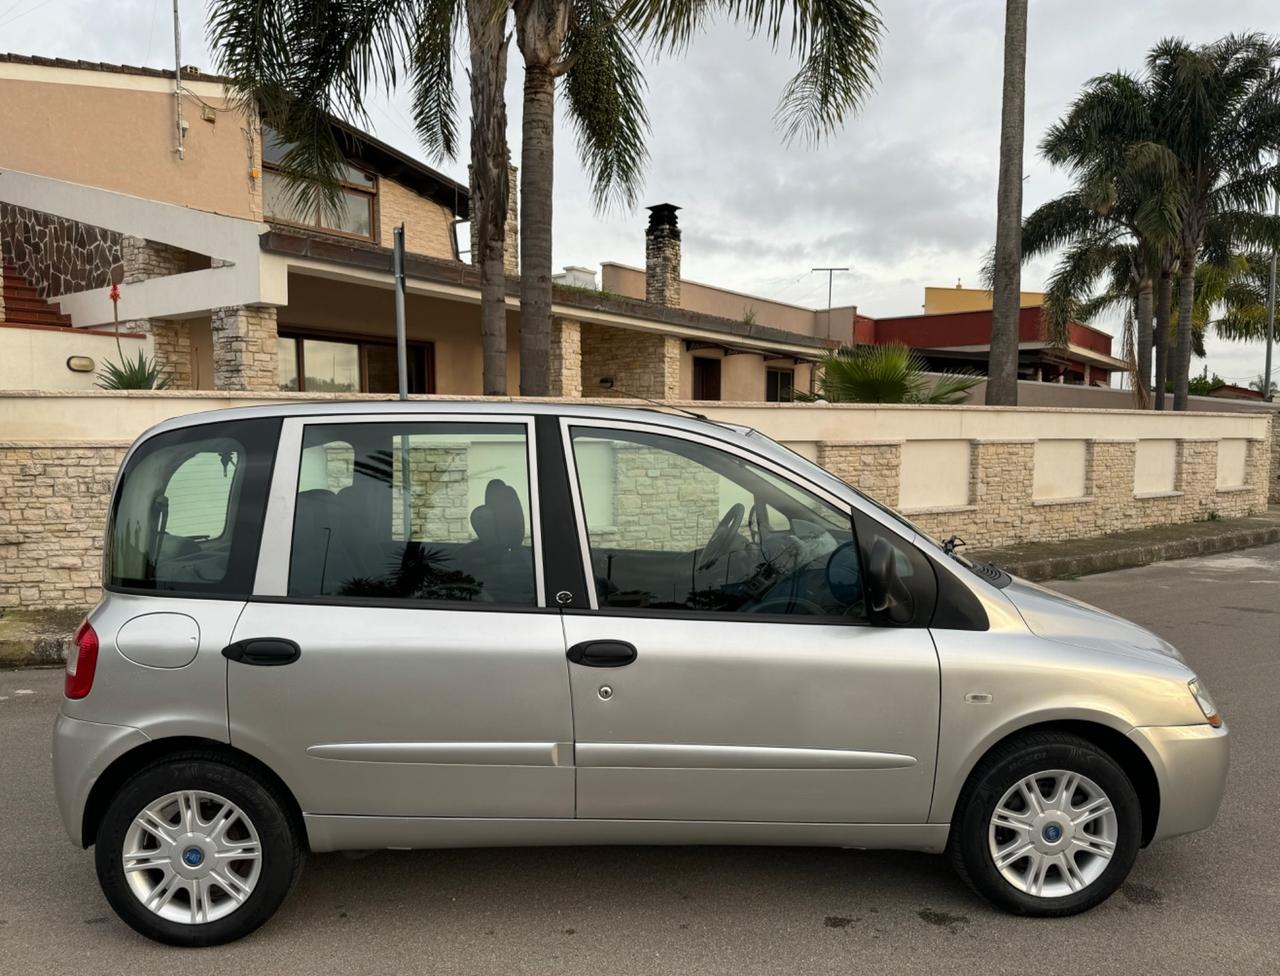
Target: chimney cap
{"x":662,"y":215}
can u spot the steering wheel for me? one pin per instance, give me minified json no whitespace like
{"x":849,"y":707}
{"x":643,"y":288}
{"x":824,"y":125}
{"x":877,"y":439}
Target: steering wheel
{"x":717,"y":546}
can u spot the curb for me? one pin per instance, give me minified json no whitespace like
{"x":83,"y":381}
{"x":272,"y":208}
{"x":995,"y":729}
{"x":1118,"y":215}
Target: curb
{"x":1123,"y":556}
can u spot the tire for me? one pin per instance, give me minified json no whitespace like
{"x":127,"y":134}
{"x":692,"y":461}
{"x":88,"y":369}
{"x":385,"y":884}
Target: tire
{"x":1051,"y":864}
{"x":204,"y":810}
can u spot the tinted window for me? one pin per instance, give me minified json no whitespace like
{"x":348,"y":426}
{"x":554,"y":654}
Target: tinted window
{"x":457,"y":528}
{"x":188,"y":512}
{"x":674,"y":525}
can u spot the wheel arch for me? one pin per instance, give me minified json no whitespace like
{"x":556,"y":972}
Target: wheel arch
{"x":1127,"y":753}
{"x":156,"y":751}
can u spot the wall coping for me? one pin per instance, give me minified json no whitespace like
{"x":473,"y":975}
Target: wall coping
{"x":977,"y":408}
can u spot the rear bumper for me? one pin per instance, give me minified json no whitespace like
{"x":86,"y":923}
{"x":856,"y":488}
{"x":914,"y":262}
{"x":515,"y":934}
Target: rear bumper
{"x":1190,"y":763}
{"x":82,"y":751}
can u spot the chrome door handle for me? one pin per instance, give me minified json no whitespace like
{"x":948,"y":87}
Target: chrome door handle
{"x":602,"y":654}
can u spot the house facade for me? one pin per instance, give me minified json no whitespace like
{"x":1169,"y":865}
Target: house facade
{"x":112,"y":174}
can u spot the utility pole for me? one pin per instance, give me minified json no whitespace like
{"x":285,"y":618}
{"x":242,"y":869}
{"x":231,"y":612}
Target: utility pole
{"x":177,"y":83}
{"x":830,"y":275}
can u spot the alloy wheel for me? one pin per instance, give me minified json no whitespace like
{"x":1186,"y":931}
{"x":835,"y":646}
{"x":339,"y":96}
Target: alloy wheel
{"x":1053,"y":833}
{"x":192,"y":857}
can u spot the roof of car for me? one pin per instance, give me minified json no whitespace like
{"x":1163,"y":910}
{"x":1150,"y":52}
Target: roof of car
{"x":425,"y":408}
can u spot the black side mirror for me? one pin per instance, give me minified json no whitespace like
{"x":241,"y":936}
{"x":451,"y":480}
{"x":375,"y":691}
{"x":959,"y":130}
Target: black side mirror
{"x":889,"y":594}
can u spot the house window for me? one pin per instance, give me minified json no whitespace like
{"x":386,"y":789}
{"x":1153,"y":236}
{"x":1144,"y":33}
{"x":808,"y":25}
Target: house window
{"x":779,"y":385}
{"x":354,"y":216}
{"x":706,"y":378}
{"x":312,"y":364}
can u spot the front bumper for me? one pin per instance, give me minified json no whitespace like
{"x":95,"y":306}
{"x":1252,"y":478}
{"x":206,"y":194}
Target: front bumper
{"x":1190,"y":763}
{"x":82,"y":751}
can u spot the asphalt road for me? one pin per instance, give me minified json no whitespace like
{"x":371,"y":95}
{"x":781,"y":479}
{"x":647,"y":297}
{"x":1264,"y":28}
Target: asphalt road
{"x":1201,"y":904}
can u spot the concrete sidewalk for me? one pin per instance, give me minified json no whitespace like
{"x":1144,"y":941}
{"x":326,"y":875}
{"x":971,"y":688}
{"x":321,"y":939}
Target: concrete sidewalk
{"x":1122,"y":550}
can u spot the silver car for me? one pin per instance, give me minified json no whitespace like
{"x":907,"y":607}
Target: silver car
{"x":376,"y":625}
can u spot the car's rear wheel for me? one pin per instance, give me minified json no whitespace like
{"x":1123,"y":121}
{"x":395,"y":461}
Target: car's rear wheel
{"x":196,"y":851}
{"x":1048,"y":824}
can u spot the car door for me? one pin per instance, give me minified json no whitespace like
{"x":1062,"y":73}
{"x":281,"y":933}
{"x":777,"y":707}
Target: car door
{"x":727,"y":669}
{"x":397,"y":658}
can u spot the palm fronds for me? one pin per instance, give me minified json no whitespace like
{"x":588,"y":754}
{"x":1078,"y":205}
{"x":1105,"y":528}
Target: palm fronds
{"x":890,"y":373}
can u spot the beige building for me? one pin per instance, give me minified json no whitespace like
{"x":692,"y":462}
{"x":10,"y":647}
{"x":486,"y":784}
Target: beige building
{"x":110,"y":174}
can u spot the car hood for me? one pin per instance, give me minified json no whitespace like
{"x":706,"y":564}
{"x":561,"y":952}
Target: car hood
{"x":1060,"y":618}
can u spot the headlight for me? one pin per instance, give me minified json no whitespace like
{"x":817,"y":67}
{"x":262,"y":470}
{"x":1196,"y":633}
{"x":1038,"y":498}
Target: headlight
{"x":1205,"y":702}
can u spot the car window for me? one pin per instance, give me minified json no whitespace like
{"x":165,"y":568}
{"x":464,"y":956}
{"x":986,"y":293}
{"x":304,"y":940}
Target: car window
{"x":414,"y":512}
{"x":675,"y":525}
{"x":188,"y":511}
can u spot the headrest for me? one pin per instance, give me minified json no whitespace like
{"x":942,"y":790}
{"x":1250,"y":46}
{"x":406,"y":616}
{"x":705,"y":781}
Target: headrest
{"x":500,"y":520}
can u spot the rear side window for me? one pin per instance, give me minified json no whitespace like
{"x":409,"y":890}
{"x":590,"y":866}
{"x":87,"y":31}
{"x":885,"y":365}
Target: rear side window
{"x":188,"y":512}
{"x":414,"y":513}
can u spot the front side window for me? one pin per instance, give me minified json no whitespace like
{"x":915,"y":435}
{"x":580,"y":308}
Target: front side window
{"x":414,"y":512}
{"x":188,"y":511}
{"x":675,"y":525}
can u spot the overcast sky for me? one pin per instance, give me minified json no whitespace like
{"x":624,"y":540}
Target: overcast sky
{"x":904,"y":195}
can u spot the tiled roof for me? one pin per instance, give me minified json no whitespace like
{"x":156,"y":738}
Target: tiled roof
{"x":188,"y":72}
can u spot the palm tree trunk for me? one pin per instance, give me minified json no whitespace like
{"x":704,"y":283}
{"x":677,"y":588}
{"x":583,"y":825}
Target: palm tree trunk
{"x":1164,"y":309}
{"x":489,"y":188}
{"x":1146,"y":330}
{"x":1002,"y":368}
{"x":537,"y":162}
{"x":1186,"y":301}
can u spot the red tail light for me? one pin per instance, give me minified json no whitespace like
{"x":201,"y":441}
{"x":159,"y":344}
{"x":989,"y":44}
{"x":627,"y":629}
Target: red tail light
{"x":82,"y":661}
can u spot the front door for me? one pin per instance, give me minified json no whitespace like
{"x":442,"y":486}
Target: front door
{"x":728,"y":669}
{"x":398,"y":658}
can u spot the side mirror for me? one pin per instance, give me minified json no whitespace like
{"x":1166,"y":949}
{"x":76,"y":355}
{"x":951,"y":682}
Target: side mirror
{"x":889,"y":594}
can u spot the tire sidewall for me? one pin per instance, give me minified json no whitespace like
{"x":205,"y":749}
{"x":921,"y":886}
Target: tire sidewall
{"x":280,"y":855}
{"x":994,"y":781}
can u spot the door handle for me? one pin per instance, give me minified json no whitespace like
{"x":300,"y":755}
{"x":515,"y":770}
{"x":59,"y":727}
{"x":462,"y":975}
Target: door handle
{"x":267,"y":652}
{"x":603,"y":653}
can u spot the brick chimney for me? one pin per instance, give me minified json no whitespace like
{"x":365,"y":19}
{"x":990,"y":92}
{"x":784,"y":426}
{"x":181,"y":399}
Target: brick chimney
{"x":662,"y":256}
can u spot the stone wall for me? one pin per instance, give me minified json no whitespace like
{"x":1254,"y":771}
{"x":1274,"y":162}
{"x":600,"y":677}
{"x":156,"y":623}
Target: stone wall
{"x":1273,"y":494}
{"x":53,"y":510}
{"x":56,"y":255}
{"x":428,"y":227}
{"x":641,"y":364}
{"x":54,"y":489}
{"x":144,"y":260}
{"x":245,"y":354}
{"x":1002,"y":507}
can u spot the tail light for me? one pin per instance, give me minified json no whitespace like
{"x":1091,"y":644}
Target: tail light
{"x":82,"y":662}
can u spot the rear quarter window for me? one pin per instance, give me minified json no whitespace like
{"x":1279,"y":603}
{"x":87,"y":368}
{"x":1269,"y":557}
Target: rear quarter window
{"x":188,"y":511}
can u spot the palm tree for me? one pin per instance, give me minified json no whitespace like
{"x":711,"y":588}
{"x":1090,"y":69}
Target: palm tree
{"x":1002,"y":386}
{"x":1118,"y":223}
{"x":890,"y":373}
{"x":1218,"y":118}
{"x":304,"y":65}
{"x":591,"y":44}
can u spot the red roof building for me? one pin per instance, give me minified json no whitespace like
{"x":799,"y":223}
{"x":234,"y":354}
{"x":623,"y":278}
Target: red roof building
{"x":953,"y":340}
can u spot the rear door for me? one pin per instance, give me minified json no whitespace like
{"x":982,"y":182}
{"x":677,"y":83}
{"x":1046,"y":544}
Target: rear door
{"x":398,"y":657}
{"x":727,"y":668}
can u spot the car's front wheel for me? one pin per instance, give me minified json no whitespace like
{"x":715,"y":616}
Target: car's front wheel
{"x":1048,"y":824}
{"x":196,"y":851}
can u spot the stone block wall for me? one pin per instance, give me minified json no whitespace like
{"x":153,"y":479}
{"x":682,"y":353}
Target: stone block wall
{"x":53,"y":510}
{"x":54,"y":496}
{"x":1273,"y":492}
{"x":56,"y":255}
{"x":642,"y":364}
{"x":245,"y":353}
{"x":171,"y":342}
